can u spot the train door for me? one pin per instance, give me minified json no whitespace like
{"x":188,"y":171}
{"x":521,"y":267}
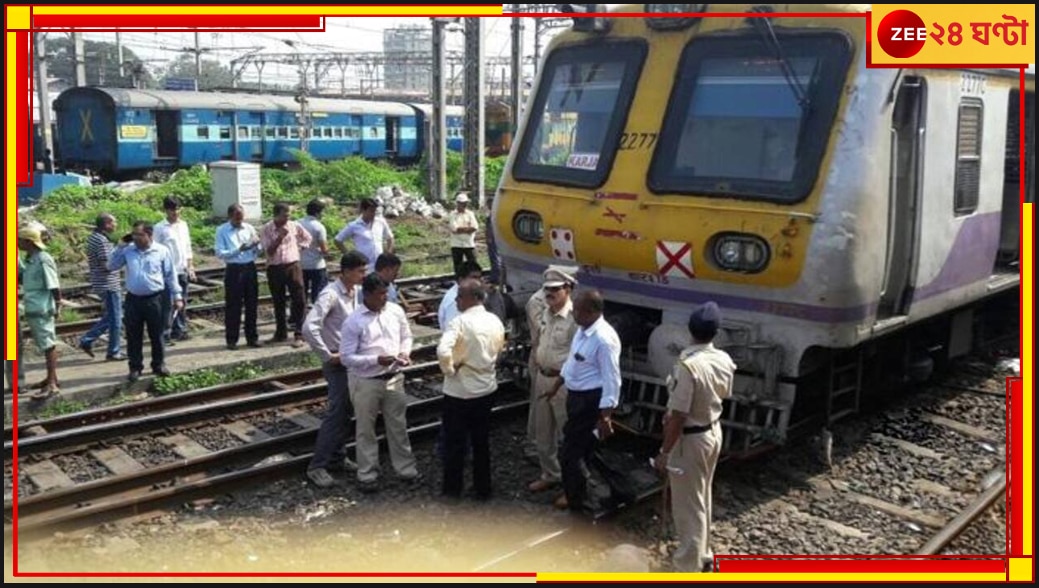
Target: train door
{"x":167,"y":127}
{"x":392,"y":135}
{"x":255,"y":122}
{"x":906,"y":169}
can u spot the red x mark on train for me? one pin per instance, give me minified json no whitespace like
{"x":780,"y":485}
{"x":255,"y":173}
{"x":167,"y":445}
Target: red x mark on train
{"x":675,"y":259}
{"x":614,"y":215}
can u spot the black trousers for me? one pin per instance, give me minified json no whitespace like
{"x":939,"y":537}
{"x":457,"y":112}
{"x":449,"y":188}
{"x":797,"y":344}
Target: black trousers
{"x":582,"y":416}
{"x":288,"y":276}
{"x":144,"y":311}
{"x":314,"y":281}
{"x":467,"y":421}
{"x":462,"y":254}
{"x":240,"y":286}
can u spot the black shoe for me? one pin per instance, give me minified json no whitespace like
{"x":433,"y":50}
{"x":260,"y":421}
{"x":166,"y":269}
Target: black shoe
{"x":255,"y":344}
{"x":232,"y":346}
{"x":134,"y":375}
{"x":369,"y":487}
{"x":161,"y":371}
{"x":87,"y":349}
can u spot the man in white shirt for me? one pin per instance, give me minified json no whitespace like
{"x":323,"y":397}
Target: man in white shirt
{"x":592,"y":377}
{"x":175,"y":235}
{"x":312,"y":258}
{"x":372,"y":235}
{"x":463,"y":232}
{"x":323,"y":329}
{"x":376,"y":344}
{"x":448,"y":310}
{"x":468,"y":355}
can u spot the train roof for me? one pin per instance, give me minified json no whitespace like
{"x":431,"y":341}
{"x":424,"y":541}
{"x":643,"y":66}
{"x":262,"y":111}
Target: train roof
{"x":177,"y":100}
{"x":451,"y":109}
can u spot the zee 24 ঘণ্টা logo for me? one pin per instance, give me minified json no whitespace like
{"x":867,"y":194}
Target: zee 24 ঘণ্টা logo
{"x":902,"y":33}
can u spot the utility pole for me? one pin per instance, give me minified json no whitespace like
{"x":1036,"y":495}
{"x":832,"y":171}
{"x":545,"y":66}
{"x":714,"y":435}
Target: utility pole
{"x":81,"y":64}
{"x":43,"y":95}
{"x":198,"y":63}
{"x":474,"y":109}
{"x":517,"y":69}
{"x":119,"y":49}
{"x":438,"y":124}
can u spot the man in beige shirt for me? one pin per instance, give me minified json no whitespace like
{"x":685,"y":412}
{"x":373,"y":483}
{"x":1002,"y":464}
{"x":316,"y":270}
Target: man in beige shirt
{"x":323,"y":329}
{"x":468,"y":355}
{"x":701,"y":379}
{"x":550,"y":344}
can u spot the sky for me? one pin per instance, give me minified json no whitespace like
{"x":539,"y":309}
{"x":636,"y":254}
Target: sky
{"x":341,"y":34}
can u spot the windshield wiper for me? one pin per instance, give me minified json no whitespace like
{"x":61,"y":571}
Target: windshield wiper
{"x":769,"y":35}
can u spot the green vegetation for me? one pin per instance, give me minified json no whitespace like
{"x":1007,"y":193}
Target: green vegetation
{"x":205,"y":378}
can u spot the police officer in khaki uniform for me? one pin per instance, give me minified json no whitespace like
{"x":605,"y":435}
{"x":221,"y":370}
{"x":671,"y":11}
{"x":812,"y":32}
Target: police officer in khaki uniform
{"x":701,"y":379}
{"x":551,"y":344}
{"x":535,"y":306}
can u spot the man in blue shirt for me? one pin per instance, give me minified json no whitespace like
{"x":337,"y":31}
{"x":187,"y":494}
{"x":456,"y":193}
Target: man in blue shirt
{"x":149,"y":277}
{"x":237,"y":243}
{"x":592,"y":376}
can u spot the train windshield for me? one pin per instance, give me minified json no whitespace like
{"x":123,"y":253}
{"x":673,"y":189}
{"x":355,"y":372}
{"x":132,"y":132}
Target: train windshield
{"x":578,"y":114}
{"x":736,"y":124}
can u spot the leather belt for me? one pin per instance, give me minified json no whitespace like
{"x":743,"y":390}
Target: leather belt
{"x":698,"y":429}
{"x":388,"y":376}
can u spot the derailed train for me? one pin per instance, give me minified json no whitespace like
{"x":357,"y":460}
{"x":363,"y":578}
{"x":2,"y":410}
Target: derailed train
{"x":857,"y":225}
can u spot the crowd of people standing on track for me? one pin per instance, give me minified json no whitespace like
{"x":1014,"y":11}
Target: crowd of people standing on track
{"x":358,"y":327}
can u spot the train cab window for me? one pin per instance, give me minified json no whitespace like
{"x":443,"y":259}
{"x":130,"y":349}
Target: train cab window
{"x":578,"y":113}
{"x":202,"y":132}
{"x":746,"y":120}
{"x":225,"y":132}
{"x":968,"y":156}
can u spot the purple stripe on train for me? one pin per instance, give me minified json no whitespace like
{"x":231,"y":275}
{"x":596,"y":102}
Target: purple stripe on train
{"x":971,"y":259}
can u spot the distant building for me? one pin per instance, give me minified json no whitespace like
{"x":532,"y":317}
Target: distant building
{"x":410,"y":52}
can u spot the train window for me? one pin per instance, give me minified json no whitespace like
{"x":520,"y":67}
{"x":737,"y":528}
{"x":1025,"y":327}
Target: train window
{"x":283,"y":132}
{"x":328,"y":132}
{"x":255,"y":132}
{"x":243,"y":132}
{"x":225,"y":132}
{"x":968,"y":156}
{"x":338,"y":132}
{"x":269,"y":132}
{"x":202,"y":132}
{"x":744,"y":123}
{"x":294,"y":132}
{"x":578,"y":113}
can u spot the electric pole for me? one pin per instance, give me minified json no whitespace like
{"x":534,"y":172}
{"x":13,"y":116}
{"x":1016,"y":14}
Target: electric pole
{"x":517,"y":69}
{"x":119,"y":49}
{"x":43,"y":94}
{"x":474,"y":108}
{"x":81,"y":64}
{"x":438,"y":124}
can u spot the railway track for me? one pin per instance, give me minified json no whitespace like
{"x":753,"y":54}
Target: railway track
{"x":147,"y":460}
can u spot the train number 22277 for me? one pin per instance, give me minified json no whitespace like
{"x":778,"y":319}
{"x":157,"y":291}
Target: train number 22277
{"x":631,"y":141}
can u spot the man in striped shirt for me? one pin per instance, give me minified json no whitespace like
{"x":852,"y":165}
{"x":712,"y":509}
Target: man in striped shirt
{"x":104,"y":284}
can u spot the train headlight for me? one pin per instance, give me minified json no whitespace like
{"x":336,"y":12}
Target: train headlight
{"x":736,"y":252}
{"x":528,"y":226}
{"x":673,"y":23}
